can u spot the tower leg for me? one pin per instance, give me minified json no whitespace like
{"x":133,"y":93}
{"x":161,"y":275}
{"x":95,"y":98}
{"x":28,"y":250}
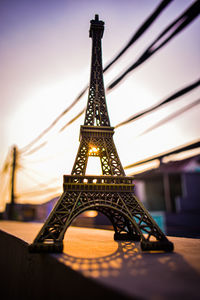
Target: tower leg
{"x":152,"y":237}
{"x":130,"y":235}
{"x":50,"y":237}
{"x":124,"y":229}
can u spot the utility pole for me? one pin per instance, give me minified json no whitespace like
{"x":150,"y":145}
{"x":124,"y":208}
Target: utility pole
{"x":13,"y":173}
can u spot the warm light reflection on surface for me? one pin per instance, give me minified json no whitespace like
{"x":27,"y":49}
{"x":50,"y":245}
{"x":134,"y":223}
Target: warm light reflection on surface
{"x":90,"y":213}
{"x":99,"y":255}
{"x":89,"y":243}
{"x":94,"y":253}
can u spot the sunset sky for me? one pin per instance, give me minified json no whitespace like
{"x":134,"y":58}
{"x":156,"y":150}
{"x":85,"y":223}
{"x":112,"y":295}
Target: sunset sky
{"x":45,"y":55}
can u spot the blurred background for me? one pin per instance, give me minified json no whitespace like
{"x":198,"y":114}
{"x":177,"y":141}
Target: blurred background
{"x":151,"y":58}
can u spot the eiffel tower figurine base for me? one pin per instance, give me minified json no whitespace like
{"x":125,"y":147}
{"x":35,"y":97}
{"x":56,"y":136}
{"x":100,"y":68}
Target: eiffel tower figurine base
{"x":165,"y":246}
{"x":111,"y":195}
{"x":127,"y":237}
{"x":51,"y":247}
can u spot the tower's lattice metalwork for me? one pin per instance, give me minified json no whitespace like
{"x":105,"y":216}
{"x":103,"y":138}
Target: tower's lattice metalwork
{"x":112,"y":193}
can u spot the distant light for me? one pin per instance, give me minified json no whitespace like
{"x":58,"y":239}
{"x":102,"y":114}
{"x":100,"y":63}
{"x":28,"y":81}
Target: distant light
{"x":181,"y":155}
{"x":91,"y":213}
{"x":93,"y":151}
{"x":154,"y":164}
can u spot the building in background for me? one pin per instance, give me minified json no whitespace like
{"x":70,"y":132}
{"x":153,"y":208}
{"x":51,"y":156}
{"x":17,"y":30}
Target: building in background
{"x":174,"y":189}
{"x":30,"y":212}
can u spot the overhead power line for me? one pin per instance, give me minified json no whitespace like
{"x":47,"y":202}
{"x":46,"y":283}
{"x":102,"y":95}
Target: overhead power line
{"x":189,"y":15}
{"x":140,"y":31}
{"x":73,"y":119}
{"x":172,"y":116}
{"x":173,"y":29}
{"x":64,"y":127}
{"x":54,"y":122}
{"x":138,"y":34}
{"x":189,"y":146}
{"x":133,"y":117}
{"x":174,"y":96}
{"x":5,"y":190}
{"x":36,"y":148}
{"x":6,"y":164}
{"x":176,"y":26}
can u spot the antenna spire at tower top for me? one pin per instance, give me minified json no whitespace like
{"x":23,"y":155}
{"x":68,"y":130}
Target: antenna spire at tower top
{"x":96,"y":112}
{"x":96,"y":26}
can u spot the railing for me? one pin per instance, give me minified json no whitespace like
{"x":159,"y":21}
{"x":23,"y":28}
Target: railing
{"x":98,"y":179}
{"x":98,"y":183}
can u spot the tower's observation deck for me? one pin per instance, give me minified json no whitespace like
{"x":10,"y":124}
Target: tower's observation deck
{"x":98,"y":183}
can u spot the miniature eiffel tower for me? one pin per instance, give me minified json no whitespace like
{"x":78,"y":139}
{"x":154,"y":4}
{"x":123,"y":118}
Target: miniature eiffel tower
{"x":112,"y":193}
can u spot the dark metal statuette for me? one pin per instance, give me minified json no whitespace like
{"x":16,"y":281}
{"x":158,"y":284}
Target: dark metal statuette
{"x":112,"y":193}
